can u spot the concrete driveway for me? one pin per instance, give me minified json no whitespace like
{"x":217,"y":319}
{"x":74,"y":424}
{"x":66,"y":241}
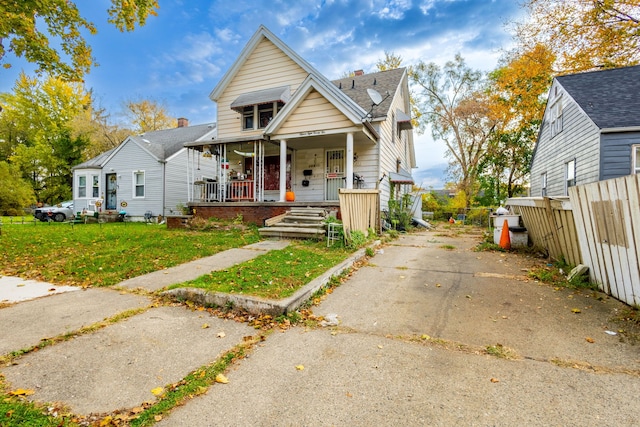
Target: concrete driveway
{"x":410,"y":348}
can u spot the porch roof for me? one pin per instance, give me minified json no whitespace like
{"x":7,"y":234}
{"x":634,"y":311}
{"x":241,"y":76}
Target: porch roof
{"x":226,"y":141}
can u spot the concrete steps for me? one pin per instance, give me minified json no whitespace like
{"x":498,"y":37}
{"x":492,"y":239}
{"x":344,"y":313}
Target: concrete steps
{"x":297,"y":223}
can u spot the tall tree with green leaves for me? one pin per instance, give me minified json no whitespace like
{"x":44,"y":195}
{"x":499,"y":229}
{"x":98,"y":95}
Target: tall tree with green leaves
{"x":22,"y":33}
{"x":454,"y":104}
{"x":15,"y":193}
{"x":37,"y":117}
{"x":583,"y":34}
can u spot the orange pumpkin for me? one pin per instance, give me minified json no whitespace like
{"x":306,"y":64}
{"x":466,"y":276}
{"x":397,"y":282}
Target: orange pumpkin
{"x":290,"y":196}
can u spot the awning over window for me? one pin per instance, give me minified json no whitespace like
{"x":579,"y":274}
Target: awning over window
{"x":402,"y":177}
{"x":404,"y":120}
{"x":265,"y":96}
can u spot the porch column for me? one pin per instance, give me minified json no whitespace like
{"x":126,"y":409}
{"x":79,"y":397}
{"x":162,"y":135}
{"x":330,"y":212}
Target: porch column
{"x":349,"y":171}
{"x":283,"y":169}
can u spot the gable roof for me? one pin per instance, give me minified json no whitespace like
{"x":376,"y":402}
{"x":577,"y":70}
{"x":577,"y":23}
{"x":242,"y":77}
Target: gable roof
{"x":254,"y":41}
{"x":164,"y":143}
{"x":161,"y":144}
{"x":96,"y":162}
{"x":355,"y":87}
{"x":611,"y":98}
{"x":350,"y":109}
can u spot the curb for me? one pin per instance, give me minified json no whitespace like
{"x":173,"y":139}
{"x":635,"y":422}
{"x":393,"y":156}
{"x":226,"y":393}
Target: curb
{"x":257,"y":306}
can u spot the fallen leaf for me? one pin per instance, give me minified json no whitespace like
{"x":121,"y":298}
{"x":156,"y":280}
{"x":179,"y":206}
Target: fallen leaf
{"x":300,"y":367}
{"x":106,"y":421}
{"x":221,"y":335}
{"x":349,"y":394}
{"x":138,"y":409}
{"x":438,"y":285}
{"x":52,"y":289}
{"x":495,"y":380}
{"x":575,"y":310}
{"x":157,"y":391}
{"x":205,"y":326}
{"x":158,"y":418}
{"x":468,"y":296}
{"x":590,"y":340}
{"x":22,"y":392}
{"x":221,"y":379}
{"x":379,"y":346}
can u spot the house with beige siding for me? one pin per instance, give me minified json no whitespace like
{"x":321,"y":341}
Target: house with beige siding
{"x":287,"y":135}
{"x":146,"y":173}
{"x":590,"y":131}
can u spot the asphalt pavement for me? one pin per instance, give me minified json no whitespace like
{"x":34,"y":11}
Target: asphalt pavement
{"x":411,"y":347}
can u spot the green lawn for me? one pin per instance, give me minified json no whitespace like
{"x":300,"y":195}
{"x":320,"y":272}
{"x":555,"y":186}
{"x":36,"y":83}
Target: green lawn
{"x":106,"y":254}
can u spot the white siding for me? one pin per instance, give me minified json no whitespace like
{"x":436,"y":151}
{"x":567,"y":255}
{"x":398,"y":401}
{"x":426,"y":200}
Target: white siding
{"x":126,"y":160}
{"x":177,"y":177}
{"x":579,"y":140}
{"x":315,"y":113}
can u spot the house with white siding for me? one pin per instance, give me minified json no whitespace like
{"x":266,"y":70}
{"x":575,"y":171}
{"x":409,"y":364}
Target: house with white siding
{"x":590,"y":131}
{"x":287,"y":135}
{"x":145,"y":173}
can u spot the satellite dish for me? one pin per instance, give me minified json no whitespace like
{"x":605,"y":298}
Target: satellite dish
{"x":375,"y":96}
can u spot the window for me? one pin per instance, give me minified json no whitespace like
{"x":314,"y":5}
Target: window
{"x":264,"y":113}
{"x":635,"y":159}
{"x":570,"y":175}
{"x":82,"y":186}
{"x":543,"y":184}
{"x":95,"y":186}
{"x":556,"y":117}
{"x":138,"y":182}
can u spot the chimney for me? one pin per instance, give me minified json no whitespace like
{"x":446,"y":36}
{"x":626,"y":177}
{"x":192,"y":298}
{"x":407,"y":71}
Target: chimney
{"x":358,"y":73}
{"x":182,"y":122}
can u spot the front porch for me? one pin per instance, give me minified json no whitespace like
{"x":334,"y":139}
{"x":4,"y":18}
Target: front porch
{"x":254,"y":212}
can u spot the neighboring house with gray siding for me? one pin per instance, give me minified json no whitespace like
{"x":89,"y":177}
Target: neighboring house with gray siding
{"x":147,"y":172}
{"x":590,"y":131}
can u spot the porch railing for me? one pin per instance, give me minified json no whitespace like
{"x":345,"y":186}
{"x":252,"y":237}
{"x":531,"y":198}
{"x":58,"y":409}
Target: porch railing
{"x":230,"y":191}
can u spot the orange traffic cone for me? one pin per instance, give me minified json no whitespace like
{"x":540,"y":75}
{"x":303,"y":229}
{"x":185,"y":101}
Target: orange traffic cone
{"x":505,"y":240}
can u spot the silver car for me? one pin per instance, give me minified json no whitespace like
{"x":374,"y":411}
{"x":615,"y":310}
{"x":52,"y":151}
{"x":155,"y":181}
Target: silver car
{"x":58,"y":213}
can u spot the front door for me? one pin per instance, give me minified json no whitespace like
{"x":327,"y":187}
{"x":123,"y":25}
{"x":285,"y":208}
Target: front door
{"x":112,"y":191}
{"x":334,"y":173}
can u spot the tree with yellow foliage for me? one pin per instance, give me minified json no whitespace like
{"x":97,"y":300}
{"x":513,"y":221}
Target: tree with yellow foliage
{"x":583,"y":34}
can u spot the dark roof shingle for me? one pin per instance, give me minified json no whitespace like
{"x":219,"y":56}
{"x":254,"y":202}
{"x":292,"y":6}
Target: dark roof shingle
{"x":611,"y":98}
{"x":355,"y":87}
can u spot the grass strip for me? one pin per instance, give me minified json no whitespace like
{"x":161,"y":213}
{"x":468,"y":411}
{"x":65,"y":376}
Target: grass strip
{"x":274,"y":275}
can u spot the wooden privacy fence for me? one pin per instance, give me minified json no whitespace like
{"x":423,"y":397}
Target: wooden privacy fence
{"x":360,"y":210}
{"x":551,"y":226}
{"x":607,"y":215}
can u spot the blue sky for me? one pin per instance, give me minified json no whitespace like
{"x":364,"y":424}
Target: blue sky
{"x":178,"y":57}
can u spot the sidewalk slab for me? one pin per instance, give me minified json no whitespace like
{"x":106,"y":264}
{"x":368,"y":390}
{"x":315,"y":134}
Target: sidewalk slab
{"x":118,"y":366}
{"x":194,"y":269}
{"x":27,"y":323}
{"x":359,"y":379}
{"x":16,"y":289}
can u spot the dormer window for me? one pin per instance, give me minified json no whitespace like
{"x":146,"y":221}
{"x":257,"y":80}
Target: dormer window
{"x":265,"y":115}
